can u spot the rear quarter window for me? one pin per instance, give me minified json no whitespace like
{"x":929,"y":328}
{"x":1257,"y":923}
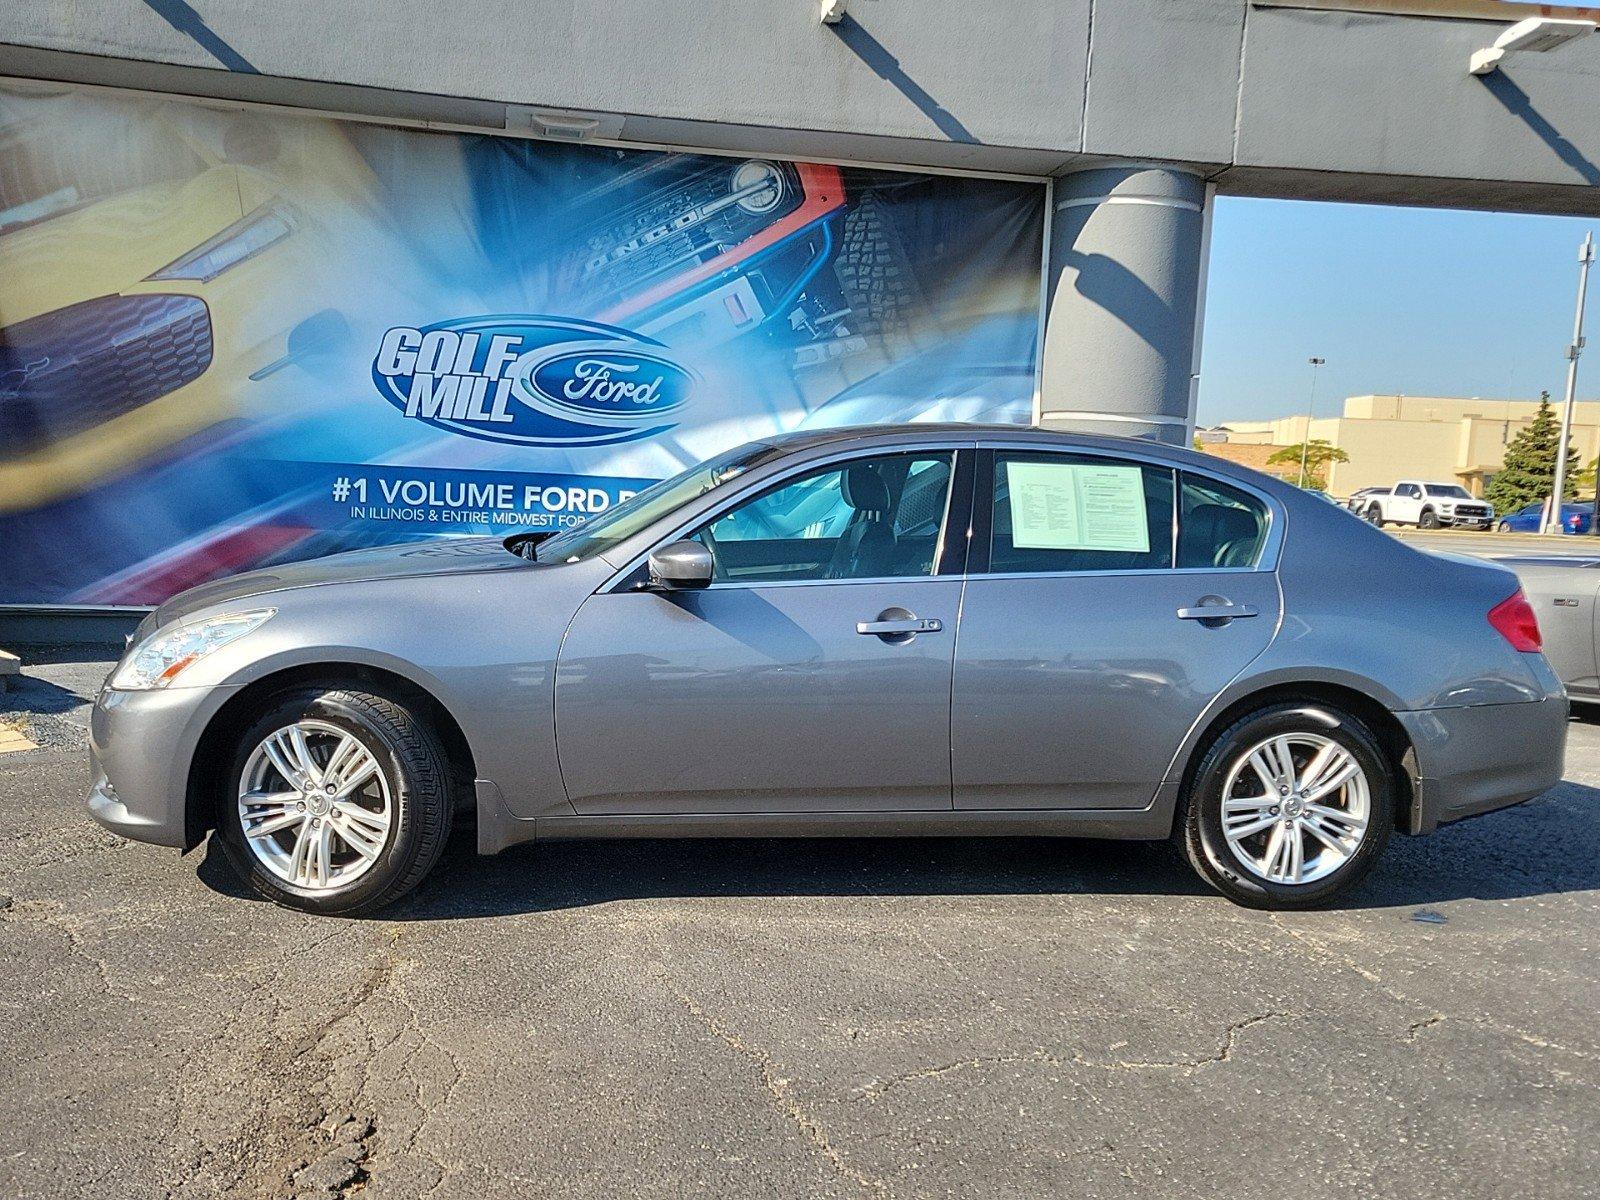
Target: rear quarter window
{"x":1219,"y":526}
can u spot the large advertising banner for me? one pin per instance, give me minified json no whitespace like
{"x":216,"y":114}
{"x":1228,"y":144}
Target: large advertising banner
{"x":231,"y":339}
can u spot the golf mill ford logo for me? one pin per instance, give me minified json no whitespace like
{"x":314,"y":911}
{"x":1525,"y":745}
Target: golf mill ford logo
{"x":538,"y":381}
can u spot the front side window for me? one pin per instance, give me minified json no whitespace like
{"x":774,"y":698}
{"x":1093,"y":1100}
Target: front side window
{"x":1067,"y":512}
{"x":869,"y":518}
{"x":600,"y":533}
{"x":1219,"y":525}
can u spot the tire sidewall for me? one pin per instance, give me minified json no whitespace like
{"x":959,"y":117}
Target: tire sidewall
{"x":1428,"y":520}
{"x":1208,"y":847}
{"x":348,"y":714}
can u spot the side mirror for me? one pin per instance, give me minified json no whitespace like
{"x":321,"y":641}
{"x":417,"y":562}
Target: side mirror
{"x":680,"y":565}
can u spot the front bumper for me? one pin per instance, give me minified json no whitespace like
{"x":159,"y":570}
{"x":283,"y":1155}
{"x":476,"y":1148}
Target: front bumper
{"x":141,"y":745}
{"x":1479,"y":519}
{"x":1476,"y":759}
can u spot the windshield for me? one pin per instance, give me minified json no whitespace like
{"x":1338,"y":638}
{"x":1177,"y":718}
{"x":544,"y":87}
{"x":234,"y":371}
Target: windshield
{"x":600,"y":533}
{"x":55,"y":170}
{"x":1454,"y":491}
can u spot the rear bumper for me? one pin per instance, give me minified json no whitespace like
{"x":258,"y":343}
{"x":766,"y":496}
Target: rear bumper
{"x":1477,"y":759}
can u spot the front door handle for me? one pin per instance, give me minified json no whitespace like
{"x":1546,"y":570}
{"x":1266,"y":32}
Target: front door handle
{"x":1217,"y":612}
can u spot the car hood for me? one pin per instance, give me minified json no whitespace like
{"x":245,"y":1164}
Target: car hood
{"x":115,"y":243}
{"x":447,"y":556}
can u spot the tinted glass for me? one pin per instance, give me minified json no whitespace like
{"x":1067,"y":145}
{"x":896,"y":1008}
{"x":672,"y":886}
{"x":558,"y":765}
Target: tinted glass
{"x":1068,"y":512}
{"x":869,"y":518}
{"x":1218,"y":525}
{"x":1449,"y":490}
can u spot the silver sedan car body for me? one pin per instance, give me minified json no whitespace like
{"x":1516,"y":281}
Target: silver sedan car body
{"x":907,"y":631}
{"x":1563,"y":590}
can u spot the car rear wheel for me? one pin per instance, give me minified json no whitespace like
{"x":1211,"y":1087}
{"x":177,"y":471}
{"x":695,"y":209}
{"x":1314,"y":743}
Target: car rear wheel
{"x":1375,"y":516}
{"x":338,"y":801}
{"x":1290,"y":806}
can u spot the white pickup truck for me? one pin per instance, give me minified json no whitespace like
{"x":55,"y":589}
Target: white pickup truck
{"x":1428,"y":506}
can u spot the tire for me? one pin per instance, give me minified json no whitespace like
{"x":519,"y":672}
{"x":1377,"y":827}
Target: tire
{"x":1505,"y":527}
{"x":1218,"y":861}
{"x":407,"y":778}
{"x":1430,"y":519}
{"x":1375,"y":516}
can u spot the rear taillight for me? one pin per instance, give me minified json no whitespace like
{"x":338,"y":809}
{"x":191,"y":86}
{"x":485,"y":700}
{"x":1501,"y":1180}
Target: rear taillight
{"x":1514,"y":620}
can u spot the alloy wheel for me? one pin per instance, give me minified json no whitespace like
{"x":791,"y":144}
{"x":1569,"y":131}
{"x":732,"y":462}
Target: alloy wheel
{"x":314,"y":805}
{"x":1295,"y":808}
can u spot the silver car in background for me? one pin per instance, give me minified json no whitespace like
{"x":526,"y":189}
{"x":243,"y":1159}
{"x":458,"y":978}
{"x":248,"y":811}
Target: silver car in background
{"x":1562,"y":590}
{"x":892,"y":631}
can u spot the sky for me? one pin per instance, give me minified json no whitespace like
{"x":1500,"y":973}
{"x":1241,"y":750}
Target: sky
{"x":1424,"y":302}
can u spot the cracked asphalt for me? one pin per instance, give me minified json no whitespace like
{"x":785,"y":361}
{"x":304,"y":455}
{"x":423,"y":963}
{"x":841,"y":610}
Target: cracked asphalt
{"x":733,"y":1019}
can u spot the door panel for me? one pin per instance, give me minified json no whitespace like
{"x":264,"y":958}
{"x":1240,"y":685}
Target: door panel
{"x":758,"y":699}
{"x":1075,"y":691}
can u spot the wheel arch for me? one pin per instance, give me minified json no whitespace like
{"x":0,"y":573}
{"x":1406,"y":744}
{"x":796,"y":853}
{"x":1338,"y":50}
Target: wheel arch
{"x":209,"y":762}
{"x":1363,"y":703}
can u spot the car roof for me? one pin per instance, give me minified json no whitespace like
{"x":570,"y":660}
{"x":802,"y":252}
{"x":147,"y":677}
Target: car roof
{"x":945,"y":433}
{"x":802,"y":439}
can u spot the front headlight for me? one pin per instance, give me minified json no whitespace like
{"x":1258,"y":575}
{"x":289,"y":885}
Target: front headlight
{"x":243,"y":239}
{"x":161,"y":657}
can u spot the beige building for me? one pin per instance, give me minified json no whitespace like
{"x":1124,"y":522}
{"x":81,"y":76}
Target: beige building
{"x":1440,"y":438}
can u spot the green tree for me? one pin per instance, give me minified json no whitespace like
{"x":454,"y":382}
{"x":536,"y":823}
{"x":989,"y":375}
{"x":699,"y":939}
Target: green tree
{"x":1529,"y":473}
{"x":1584,"y":480}
{"x":1319,"y":453}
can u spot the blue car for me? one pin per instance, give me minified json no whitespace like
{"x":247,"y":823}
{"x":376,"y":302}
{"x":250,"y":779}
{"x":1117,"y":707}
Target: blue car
{"x":1575,"y":518}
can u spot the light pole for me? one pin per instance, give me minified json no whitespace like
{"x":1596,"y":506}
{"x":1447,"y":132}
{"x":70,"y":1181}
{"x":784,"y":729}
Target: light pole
{"x":1585,"y":257}
{"x":1311,"y":407}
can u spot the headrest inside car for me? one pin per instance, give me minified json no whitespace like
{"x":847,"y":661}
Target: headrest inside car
{"x":865,"y":489}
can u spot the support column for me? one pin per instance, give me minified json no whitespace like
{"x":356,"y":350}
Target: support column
{"x":1123,"y":293}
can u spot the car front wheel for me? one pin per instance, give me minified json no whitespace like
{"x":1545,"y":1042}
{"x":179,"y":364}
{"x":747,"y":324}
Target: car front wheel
{"x":1430,"y":519}
{"x":1290,"y":806}
{"x":1505,"y":527}
{"x":338,"y":801}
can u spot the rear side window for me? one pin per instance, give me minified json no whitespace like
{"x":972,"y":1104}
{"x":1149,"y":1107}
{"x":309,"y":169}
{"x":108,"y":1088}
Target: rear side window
{"x":1067,"y":512}
{"x":1218,"y":525}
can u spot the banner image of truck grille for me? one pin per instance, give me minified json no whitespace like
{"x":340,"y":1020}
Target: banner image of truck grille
{"x":230,"y":339}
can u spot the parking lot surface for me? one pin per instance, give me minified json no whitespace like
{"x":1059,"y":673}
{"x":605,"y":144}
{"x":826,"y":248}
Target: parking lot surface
{"x":910,"y":1018}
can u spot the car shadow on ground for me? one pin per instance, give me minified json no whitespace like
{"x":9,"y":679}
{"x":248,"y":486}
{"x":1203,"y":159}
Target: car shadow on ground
{"x":1548,"y":846}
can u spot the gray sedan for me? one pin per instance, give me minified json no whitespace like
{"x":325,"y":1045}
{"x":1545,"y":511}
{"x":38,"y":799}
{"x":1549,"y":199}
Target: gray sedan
{"x":909,"y":631}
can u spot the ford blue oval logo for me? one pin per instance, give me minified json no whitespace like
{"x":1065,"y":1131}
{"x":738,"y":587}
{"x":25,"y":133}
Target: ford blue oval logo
{"x":611,"y":383}
{"x":534,"y":380}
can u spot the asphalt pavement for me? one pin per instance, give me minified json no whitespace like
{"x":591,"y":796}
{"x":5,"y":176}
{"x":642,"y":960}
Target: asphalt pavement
{"x":1500,"y":545}
{"x":903,"y":1018}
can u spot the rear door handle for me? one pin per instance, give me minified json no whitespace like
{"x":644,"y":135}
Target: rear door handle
{"x":1217,"y":612}
{"x":902,"y":625}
